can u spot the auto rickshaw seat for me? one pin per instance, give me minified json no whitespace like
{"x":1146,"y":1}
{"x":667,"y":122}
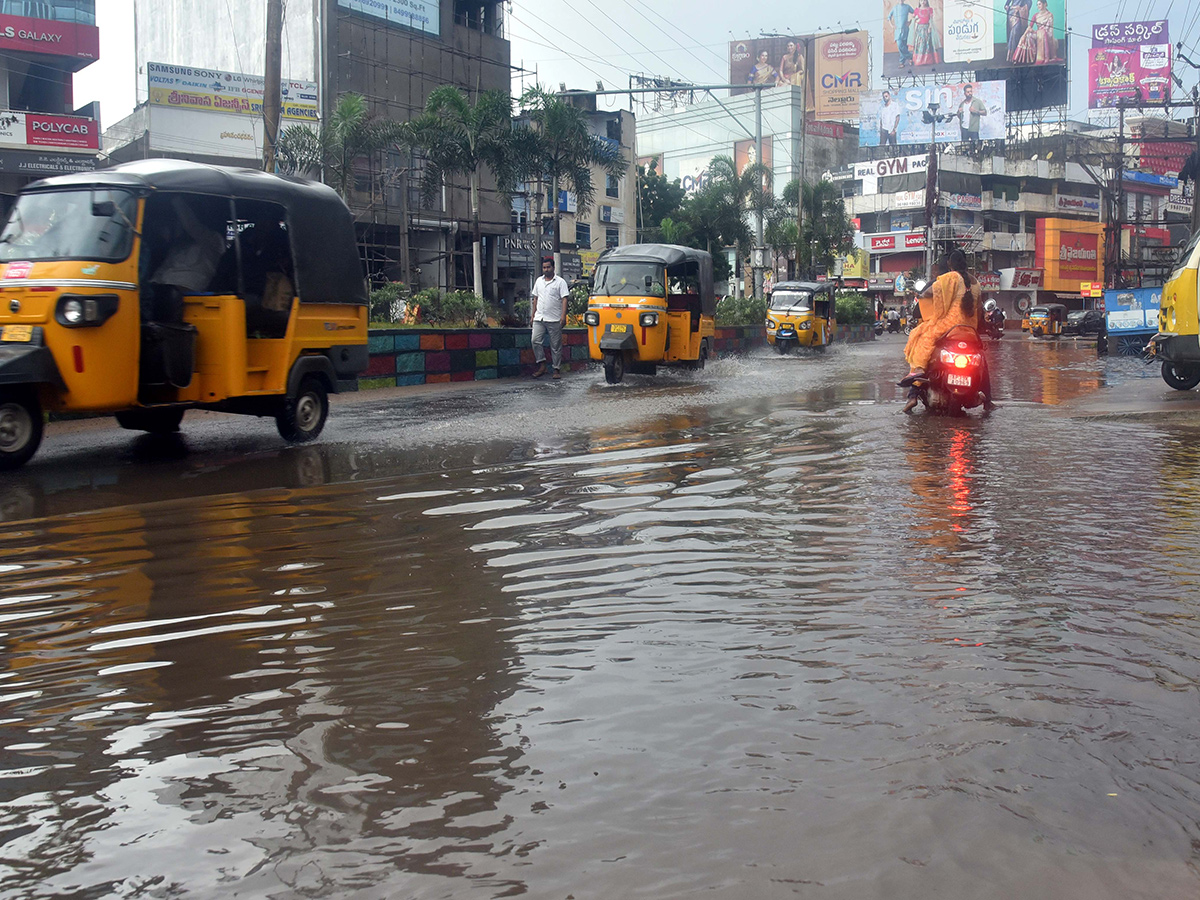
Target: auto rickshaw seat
{"x":689,"y":303}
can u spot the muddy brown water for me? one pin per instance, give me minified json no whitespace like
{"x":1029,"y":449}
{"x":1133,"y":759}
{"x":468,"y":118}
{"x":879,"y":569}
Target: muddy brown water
{"x":756,"y":635}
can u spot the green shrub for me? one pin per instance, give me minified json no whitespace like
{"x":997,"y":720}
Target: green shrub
{"x":456,"y":308}
{"x":389,"y":303}
{"x":741,"y":311}
{"x":854,"y":309}
{"x":578,"y":300}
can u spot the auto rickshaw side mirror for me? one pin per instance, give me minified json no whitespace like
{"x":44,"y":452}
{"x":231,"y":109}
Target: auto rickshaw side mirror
{"x":104,"y":209}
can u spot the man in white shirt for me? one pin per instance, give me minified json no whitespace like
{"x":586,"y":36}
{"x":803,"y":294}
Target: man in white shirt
{"x":889,"y":120}
{"x":549,"y":316}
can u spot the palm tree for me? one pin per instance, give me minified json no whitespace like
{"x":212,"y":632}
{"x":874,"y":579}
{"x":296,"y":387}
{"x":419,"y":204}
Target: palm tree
{"x":732,"y":195}
{"x":828,"y":233}
{"x":350,"y":133}
{"x":464,"y":139}
{"x":560,"y":147}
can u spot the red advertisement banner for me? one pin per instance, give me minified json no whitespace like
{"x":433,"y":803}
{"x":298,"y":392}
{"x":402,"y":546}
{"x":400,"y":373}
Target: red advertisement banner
{"x":48,"y":36}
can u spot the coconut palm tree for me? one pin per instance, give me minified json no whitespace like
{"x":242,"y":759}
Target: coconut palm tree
{"x":350,"y":133}
{"x":559,"y":147}
{"x":462,"y":138}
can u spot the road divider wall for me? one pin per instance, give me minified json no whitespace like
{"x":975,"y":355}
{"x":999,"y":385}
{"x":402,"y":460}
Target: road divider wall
{"x":406,"y":356}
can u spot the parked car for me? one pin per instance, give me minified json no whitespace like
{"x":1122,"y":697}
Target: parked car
{"x":1084,"y":321}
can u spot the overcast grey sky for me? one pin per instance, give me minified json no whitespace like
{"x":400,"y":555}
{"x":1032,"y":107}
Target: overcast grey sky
{"x":581,"y":41}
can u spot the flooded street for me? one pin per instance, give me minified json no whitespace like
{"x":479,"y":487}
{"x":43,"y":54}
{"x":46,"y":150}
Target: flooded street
{"x":747,"y":631}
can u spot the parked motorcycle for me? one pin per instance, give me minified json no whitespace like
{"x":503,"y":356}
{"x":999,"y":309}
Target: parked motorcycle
{"x":878,"y":327}
{"x":954,"y":380}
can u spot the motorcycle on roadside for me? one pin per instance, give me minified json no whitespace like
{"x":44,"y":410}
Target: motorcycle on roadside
{"x":993,"y":320}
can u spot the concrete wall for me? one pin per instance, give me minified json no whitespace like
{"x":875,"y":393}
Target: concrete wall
{"x":402,"y":356}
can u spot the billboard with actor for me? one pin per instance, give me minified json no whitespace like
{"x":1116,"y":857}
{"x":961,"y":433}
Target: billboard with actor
{"x":973,"y":111}
{"x":772,"y":62}
{"x":923,"y":37}
{"x":1129,"y":61}
{"x":840,"y":74}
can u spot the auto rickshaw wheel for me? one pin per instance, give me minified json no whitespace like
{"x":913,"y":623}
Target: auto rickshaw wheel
{"x":303,"y":416}
{"x":20,"y":428}
{"x":154,"y":421}
{"x":1181,"y":378}
{"x":698,"y":363}
{"x":614,"y":367}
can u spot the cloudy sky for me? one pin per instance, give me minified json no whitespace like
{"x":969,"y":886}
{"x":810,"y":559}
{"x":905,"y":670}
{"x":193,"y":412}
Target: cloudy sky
{"x":582,"y":41}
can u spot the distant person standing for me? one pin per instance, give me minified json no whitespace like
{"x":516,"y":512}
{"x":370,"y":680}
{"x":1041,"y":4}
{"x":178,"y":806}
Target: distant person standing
{"x":969,"y":111}
{"x":889,"y":120}
{"x":549,"y":316}
{"x":899,"y":17}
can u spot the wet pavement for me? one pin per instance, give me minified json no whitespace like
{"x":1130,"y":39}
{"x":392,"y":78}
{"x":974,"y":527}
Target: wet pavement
{"x":747,"y":631}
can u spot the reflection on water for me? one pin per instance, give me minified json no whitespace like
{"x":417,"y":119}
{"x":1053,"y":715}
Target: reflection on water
{"x":793,"y":645}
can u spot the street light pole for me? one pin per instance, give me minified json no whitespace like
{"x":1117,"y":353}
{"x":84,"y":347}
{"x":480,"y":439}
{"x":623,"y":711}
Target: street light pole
{"x":757,"y":255}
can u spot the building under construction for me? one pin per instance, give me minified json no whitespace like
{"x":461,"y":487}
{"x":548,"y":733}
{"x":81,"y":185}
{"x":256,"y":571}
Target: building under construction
{"x":339,"y":46}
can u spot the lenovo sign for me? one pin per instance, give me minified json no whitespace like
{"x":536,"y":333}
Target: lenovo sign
{"x":896,"y":242}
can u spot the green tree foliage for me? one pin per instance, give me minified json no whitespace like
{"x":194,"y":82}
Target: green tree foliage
{"x":854,"y":309}
{"x":560,"y":148}
{"x":828,"y":233}
{"x":659,"y":200}
{"x":350,"y":133}
{"x":465,"y":139}
{"x":741,"y":311}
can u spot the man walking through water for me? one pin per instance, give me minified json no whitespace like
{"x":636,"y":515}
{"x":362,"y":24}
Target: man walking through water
{"x":549,"y":316}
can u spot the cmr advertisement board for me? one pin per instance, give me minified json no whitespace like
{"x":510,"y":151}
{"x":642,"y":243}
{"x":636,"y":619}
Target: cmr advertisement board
{"x":833,"y":69}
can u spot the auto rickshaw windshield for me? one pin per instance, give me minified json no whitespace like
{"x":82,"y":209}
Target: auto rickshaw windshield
{"x":615,"y":279}
{"x":791,"y":299}
{"x":46,"y":225}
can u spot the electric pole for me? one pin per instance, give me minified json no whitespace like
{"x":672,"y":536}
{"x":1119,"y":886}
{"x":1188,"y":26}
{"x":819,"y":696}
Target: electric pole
{"x":271,"y":100}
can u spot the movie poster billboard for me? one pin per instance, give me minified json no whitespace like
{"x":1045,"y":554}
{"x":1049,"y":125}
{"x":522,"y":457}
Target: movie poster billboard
{"x":1131,"y":62}
{"x":840,"y":74}
{"x":929,"y":36}
{"x":976,"y":112}
{"x":773,"y":62}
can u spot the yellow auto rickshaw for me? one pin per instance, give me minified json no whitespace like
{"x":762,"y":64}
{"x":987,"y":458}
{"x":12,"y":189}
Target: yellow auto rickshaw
{"x":160,"y":286}
{"x":1047,"y":320}
{"x":651,"y":305}
{"x":801,"y":314}
{"x":1177,"y":342}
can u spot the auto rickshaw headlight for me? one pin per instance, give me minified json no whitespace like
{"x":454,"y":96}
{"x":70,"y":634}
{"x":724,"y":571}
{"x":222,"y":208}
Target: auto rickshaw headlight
{"x":770,"y":324}
{"x":805,"y":325}
{"x":72,"y":311}
{"x":591,"y":318}
{"x":648,"y":320}
{"x":76,"y":311}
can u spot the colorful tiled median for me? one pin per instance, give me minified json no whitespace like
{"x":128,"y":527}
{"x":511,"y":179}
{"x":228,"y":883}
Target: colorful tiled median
{"x":402,"y":357}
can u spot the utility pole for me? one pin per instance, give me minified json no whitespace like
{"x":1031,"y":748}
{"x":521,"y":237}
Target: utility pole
{"x":271,"y":100}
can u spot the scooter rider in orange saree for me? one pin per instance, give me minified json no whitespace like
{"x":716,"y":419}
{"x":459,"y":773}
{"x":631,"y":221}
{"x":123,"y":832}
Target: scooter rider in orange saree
{"x":955,"y":293}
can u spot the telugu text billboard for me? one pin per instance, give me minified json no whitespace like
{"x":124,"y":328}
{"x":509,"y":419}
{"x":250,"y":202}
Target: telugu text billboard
{"x":1129,"y":62}
{"x":931,"y":36}
{"x":210,"y":90}
{"x":840,"y":74}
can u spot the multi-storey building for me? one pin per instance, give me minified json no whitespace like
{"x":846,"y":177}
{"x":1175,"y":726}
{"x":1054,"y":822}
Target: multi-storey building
{"x":393,"y":54}
{"x":609,"y":221}
{"x":41,"y":132}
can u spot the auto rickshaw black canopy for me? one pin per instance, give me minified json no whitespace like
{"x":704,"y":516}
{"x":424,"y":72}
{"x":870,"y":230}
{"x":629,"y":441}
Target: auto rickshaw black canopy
{"x":812,"y":287}
{"x":671,"y":256}
{"x":325,"y":257}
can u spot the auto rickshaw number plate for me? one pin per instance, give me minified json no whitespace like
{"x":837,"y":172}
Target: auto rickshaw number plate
{"x":17,"y":333}
{"x":958,"y":380}
{"x":616,"y":328}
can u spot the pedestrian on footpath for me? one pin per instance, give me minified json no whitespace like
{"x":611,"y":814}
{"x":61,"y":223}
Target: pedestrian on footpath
{"x":549,"y":316}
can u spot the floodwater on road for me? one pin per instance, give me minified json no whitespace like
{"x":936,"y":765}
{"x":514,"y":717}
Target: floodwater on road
{"x":747,"y":632}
